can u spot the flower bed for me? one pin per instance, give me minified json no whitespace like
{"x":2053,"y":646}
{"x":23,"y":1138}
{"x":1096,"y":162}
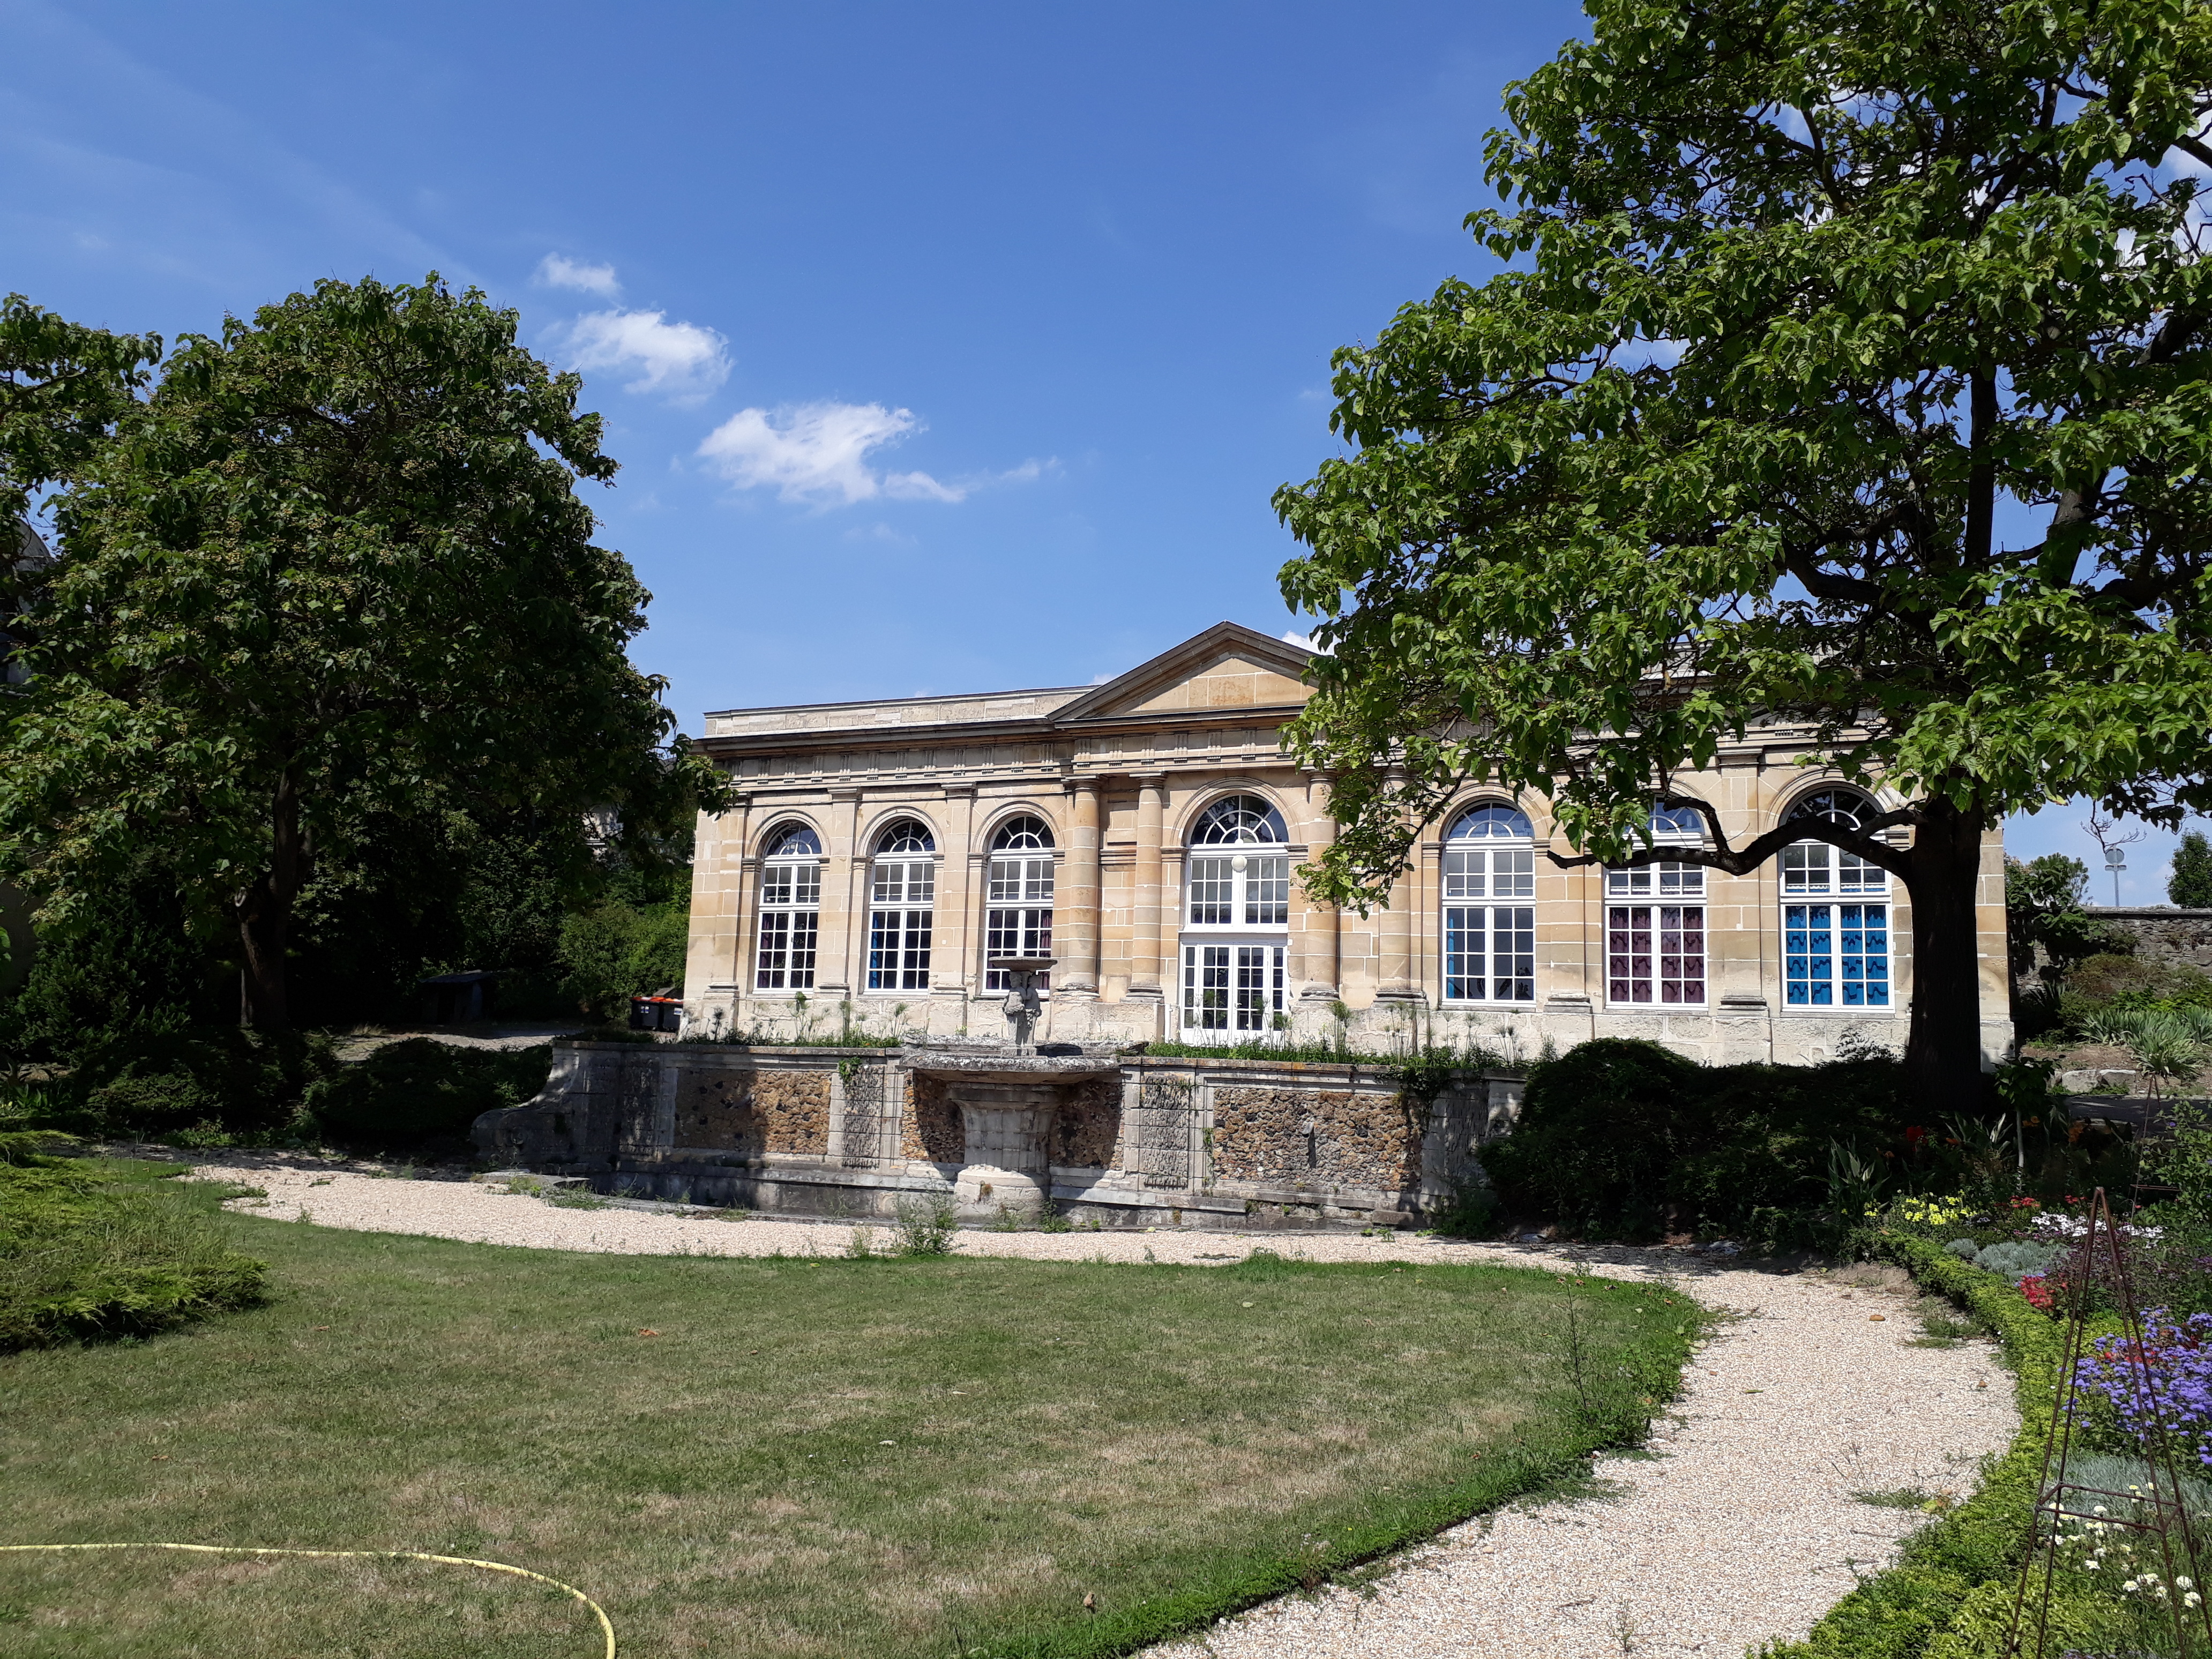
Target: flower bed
{"x":1951,"y":1593}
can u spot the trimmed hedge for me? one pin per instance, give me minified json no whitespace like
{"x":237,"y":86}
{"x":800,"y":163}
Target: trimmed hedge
{"x":1950,"y":1595}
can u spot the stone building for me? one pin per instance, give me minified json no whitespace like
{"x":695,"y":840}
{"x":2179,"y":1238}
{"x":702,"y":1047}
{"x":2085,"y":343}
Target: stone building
{"x":1145,"y":834}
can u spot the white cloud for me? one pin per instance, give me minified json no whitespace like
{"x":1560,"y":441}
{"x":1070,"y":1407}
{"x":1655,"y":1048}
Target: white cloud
{"x":819,"y":452}
{"x":682,"y":361}
{"x":555,"y":271}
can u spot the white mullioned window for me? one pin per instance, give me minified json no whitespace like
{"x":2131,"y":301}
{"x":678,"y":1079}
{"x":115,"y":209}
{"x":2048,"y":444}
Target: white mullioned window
{"x":1017,"y":922}
{"x":1655,"y":948}
{"x":1490,"y":947}
{"x":790,"y":910}
{"x":901,"y":898}
{"x":1835,"y":914}
{"x":1236,"y":911}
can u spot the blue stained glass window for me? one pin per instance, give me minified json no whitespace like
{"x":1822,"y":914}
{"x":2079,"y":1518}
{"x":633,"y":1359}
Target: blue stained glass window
{"x":1825,"y":946}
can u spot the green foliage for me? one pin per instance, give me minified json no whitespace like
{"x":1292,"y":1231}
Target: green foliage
{"x":125,"y":965}
{"x":615,"y":951}
{"x":2183,"y":1160}
{"x":88,"y":1251}
{"x":245,"y":1086}
{"x":1626,"y":1138}
{"x":2190,"y":884}
{"x":2105,"y":985}
{"x":2043,"y":901}
{"x":419,"y":1093}
{"x":925,"y":1226}
{"x":63,"y":387}
{"x":333,"y":571}
{"x":1725,"y":443}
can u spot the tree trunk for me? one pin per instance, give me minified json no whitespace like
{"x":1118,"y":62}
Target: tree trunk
{"x":265,"y":917}
{"x":1943,"y":1052}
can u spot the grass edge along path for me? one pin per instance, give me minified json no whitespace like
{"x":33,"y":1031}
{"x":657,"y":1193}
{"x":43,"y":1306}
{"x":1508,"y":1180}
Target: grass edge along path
{"x":1950,"y":1595}
{"x":1557,"y":1467}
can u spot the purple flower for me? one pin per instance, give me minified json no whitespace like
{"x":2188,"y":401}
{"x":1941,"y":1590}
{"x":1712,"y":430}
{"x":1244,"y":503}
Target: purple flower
{"x":2160,"y":1390}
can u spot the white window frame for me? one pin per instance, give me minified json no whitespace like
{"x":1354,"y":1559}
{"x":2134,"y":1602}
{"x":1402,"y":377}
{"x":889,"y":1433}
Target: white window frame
{"x":1838,"y":941}
{"x":789,"y":920}
{"x":1648,"y":906}
{"x":902,"y":909}
{"x":1018,"y":912}
{"x":1233,"y":959}
{"x":1489,"y":948}
{"x":1235,"y":986}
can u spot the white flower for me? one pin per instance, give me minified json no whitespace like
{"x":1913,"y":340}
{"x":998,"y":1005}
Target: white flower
{"x":2128,"y":1587}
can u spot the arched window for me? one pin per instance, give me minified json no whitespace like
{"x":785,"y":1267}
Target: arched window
{"x":1233,"y":981}
{"x":790,"y":909}
{"x":1835,"y":933}
{"x":1019,"y":921}
{"x":901,"y":897}
{"x":1654,"y":953}
{"x":1238,"y":820}
{"x":1490,"y":948}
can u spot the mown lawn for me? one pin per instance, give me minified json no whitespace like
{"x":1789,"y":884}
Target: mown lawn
{"x":809,"y":1457}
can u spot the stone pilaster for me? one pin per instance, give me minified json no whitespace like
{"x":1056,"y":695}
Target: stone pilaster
{"x":953,"y":948}
{"x":1075,"y":904}
{"x":844,"y":935}
{"x":1320,"y":926}
{"x":1145,"y":952}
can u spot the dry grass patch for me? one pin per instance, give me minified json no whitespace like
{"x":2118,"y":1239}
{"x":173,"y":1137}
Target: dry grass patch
{"x":933,"y":1458}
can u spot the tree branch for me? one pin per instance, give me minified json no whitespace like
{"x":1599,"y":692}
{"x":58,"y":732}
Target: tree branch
{"x":1743,"y":860}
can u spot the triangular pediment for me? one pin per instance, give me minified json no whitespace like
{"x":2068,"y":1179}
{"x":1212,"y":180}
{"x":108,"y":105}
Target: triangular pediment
{"x":1227,"y":667}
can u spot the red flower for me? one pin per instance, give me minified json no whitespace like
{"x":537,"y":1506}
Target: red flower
{"x":2038,"y":1293}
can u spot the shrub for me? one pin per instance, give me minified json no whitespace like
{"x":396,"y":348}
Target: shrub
{"x":925,"y":1226}
{"x":1622,"y":1138}
{"x":244,"y":1085}
{"x":2015,"y":1262}
{"x":422,"y":1093}
{"x":2107,"y":978}
{"x":86,"y":1253}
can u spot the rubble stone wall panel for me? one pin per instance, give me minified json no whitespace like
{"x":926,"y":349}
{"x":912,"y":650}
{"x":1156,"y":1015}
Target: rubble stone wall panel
{"x":794,"y":1109}
{"x":1085,"y":1128}
{"x":933,"y":1129}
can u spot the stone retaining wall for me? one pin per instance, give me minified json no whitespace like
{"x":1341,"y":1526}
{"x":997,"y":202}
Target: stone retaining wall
{"x":1118,"y":1139}
{"x":2163,"y":933}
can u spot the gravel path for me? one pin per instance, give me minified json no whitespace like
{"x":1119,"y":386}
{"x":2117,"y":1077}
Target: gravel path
{"x":1739,"y":1526}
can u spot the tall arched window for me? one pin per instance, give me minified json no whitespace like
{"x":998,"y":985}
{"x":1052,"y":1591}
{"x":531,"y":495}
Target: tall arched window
{"x":1490,"y":947}
{"x":1236,"y":912}
{"x":790,"y":909}
{"x":900,"y":896}
{"x":1654,"y":953}
{"x":1018,"y":921}
{"x":1835,"y":913}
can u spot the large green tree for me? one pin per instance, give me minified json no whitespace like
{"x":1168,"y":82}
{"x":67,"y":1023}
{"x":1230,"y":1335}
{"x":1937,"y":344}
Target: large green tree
{"x":332,"y":572}
{"x":1799,"y":297}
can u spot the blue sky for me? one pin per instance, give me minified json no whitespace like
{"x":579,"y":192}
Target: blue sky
{"x":945,"y":348}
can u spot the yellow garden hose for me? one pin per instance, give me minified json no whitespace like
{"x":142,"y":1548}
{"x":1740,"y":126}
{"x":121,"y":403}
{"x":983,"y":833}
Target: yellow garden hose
{"x":606,"y":1625}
